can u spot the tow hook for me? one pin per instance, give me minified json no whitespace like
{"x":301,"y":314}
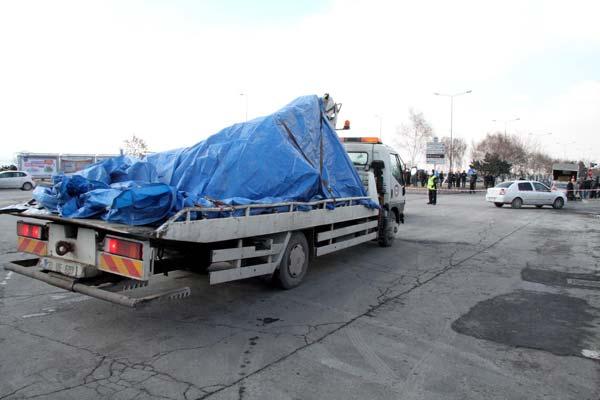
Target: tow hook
{"x":63,"y":248}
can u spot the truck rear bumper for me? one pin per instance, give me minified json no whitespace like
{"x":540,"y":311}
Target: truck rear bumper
{"x":28,"y":267}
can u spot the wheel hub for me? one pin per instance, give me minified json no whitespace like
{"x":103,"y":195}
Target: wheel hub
{"x":297,"y":259}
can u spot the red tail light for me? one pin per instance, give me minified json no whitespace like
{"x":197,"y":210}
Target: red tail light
{"x":123,"y":248}
{"x":502,"y":192}
{"x":31,"y":230}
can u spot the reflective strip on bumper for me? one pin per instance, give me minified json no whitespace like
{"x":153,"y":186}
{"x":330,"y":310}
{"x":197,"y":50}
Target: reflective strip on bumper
{"x":120,"y":265}
{"x":34,"y":246}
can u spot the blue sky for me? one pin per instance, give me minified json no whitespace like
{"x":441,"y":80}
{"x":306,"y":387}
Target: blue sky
{"x":81,"y":76}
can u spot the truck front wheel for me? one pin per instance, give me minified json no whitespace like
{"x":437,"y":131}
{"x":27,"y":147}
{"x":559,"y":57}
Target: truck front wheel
{"x":390,"y":227}
{"x":294,"y":264}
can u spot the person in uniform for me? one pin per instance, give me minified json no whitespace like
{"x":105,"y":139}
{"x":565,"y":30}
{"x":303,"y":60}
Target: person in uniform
{"x":472,"y":182}
{"x":432,"y":188}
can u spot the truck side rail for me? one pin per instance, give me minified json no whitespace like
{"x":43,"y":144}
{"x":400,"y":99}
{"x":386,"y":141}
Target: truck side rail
{"x":185,"y":214}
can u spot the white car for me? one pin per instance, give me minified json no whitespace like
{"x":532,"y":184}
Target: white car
{"x":520,"y":193}
{"x":16,"y":180}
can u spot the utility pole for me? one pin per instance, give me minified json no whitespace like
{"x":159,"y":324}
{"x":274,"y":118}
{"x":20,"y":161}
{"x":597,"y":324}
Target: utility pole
{"x":506,"y":121}
{"x":452,"y":119}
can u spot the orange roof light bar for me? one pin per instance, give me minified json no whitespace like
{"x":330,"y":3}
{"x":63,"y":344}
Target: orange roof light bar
{"x":366,"y":139}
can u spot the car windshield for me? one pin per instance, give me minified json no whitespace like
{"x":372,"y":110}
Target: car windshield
{"x":359,"y":157}
{"x":504,"y":184}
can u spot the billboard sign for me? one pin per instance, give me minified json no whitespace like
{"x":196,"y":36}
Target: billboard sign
{"x":72,"y":164}
{"x":435,"y":152}
{"x":40,"y":166}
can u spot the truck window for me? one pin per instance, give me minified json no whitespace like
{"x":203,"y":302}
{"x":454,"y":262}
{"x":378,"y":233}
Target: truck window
{"x":358,"y":157}
{"x":396,"y":168}
{"x":401,"y":168}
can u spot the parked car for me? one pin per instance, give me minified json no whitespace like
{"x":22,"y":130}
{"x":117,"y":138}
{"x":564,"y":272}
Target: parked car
{"x":521,"y":193}
{"x":16,"y":180}
{"x":560,"y":187}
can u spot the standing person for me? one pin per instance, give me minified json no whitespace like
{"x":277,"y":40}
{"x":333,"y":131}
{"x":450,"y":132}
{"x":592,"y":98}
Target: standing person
{"x":587,"y":186}
{"x":570,"y":190}
{"x":432,"y":188}
{"x":472,"y":182}
{"x":441,"y":178}
{"x":595,"y":186}
{"x":463,"y":178}
{"x":450,"y":178}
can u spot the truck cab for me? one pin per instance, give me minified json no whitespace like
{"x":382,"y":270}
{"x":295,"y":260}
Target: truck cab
{"x":369,"y":154}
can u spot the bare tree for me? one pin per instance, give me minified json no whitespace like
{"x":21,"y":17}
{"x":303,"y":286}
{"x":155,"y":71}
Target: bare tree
{"x":458,"y":149}
{"x":135,"y":146}
{"x":413,"y":136}
{"x":526,"y":158}
{"x":508,"y":147}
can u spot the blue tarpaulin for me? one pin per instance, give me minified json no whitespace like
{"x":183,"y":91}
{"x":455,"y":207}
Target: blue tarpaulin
{"x":291,"y":155}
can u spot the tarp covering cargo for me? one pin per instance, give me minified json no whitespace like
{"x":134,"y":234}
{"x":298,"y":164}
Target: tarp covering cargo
{"x":291,"y":155}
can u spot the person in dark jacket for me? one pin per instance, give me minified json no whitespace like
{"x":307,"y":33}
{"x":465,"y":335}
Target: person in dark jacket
{"x":595,"y":186}
{"x":450,"y":179}
{"x":472,"y":182}
{"x":586,"y":186}
{"x":463,"y":179}
{"x":571,"y":190}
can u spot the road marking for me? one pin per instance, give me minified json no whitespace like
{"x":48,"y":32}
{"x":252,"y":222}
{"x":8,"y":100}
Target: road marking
{"x":593,"y":354}
{"x":6,"y":278}
{"x":47,"y":311}
{"x":381,"y":368}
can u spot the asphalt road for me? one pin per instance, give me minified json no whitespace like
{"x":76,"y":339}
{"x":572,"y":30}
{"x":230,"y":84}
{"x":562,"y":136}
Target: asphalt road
{"x":471,"y":302}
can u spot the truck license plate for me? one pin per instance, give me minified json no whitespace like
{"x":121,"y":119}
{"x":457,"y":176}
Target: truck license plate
{"x":68,"y":268}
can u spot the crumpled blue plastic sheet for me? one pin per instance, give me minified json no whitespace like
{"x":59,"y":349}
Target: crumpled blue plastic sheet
{"x":291,"y":155}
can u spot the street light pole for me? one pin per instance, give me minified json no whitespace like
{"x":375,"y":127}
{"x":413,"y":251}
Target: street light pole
{"x":452,"y":118}
{"x":506,"y":121}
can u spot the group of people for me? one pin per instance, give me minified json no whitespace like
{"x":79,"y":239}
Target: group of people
{"x":587,"y":188}
{"x":455,"y":179}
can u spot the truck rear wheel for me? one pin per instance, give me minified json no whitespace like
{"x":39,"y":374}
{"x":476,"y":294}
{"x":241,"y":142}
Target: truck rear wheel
{"x":294,"y":264}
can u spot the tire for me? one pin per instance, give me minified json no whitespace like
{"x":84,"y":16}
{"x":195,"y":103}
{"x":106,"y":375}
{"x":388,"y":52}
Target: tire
{"x":27,"y":186}
{"x":539,"y":205}
{"x":558,"y":203}
{"x":498,"y":204}
{"x":389,"y":230}
{"x":294,"y":264}
{"x":516,"y":203}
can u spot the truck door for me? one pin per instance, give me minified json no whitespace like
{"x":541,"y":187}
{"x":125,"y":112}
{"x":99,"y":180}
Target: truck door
{"x":396,"y":183}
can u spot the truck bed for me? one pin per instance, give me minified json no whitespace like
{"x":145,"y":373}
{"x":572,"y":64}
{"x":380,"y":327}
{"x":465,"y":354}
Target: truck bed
{"x":280,"y":217}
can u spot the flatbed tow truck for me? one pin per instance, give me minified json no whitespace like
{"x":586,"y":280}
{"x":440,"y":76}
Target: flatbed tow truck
{"x":102,"y":259}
